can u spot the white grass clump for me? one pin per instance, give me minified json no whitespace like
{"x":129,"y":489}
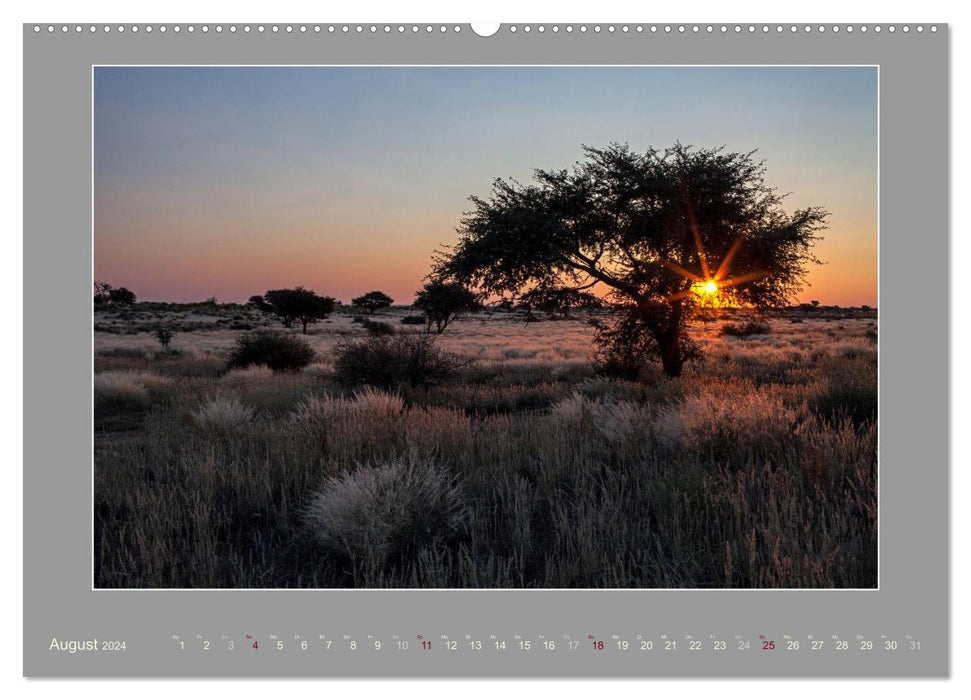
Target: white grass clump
{"x":622,"y":421}
{"x":572,"y":410}
{"x":223,"y":414}
{"x":738,"y":418}
{"x":616,"y":421}
{"x":388,"y":511}
{"x":376,"y":403}
{"x":317,"y":410}
{"x":127,"y":385}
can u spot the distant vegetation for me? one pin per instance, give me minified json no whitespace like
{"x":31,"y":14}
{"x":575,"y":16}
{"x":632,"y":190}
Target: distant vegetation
{"x":280,"y":352}
{"x":105,"y":294}
{"x":299,"y":304}
{"x":373,"y":301}
{"x":442,"y":303}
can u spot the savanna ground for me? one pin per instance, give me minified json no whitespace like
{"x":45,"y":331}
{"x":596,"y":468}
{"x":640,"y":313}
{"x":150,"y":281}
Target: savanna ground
{"x":756,"y":468}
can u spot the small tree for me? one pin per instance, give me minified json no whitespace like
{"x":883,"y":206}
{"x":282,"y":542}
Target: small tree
{"x":372,"y":301}
{"x":164,"y":335}
{"x":443,"y":301}
{"x":121,"y":296}
{"x":299,"y":304}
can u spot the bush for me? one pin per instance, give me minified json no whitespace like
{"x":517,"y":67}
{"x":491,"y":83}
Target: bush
{"x":742,"y":331}
{"x":163,"y":335}
{"x":389,"y":363}
{"x":388,"y":513}
{"x":280,"y":352}
{"x":414,"y":320}
{"x":378,"y":327}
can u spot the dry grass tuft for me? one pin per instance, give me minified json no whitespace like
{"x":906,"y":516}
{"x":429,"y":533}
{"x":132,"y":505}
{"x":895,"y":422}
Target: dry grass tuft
{"x":223,"y":414}
{"x":384,"y":513}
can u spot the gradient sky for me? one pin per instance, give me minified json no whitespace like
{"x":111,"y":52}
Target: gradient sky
{"x":227,"y":182}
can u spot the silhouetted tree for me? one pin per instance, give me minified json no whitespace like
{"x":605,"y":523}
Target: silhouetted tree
{"x":258,"y":302}
{"x":101,"y":290}
{"x":443,"y":301}
{"x":298,"y":304}
{"x":104,"y":293}
{"x":653,"y":230}
{"x":372,"y":301}
{"x":121,"y":296}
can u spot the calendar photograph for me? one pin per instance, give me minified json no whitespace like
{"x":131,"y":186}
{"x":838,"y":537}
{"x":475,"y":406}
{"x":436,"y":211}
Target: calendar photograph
{"x":479,"y":327}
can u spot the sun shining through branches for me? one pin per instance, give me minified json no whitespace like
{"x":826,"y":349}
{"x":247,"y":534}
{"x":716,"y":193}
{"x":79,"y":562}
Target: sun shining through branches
{"x":663,"y":231}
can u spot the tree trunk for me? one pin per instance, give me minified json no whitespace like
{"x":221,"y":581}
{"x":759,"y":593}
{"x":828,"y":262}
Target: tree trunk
{"x":304,"y":327}
{"x":669,"y":343}
{"x":671,"y":360}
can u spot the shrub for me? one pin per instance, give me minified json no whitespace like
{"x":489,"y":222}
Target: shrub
{"x":388,"y":363}
{"x":223,"y":414}
{"x":280,"y":352}
{"x":742,"y":331}
{"x":163,"y":335}
{"x":378,"y":327}
{"x":387,"y":513}
{"x":358,"y":319}
{"x":414,"y":320}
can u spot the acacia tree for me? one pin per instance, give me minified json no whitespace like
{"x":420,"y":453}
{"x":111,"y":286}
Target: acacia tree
{"x":372,"y":301}
{"x":443,"y":301}
{"x":298,"y":304}
{"x":651,"y":232}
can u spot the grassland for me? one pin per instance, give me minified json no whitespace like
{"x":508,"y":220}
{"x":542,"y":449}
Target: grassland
{"x":756,"y":468}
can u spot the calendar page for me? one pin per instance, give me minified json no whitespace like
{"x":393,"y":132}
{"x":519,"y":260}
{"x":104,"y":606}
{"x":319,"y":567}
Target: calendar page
{"x":533,"y":350}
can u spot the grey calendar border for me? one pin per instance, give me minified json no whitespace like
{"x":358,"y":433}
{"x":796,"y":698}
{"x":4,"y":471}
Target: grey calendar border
{"x":914,"y":354}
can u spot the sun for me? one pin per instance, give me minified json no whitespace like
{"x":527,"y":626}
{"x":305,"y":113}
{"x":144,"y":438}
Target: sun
{"x":705,"y":288}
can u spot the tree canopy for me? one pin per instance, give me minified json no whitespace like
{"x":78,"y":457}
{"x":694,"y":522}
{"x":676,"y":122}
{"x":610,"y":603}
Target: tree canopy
{"x":104,"y":293}
{"x":298,"y":304}
{"x":651,"y":232}
{"x":372,"y":301}
{"x":443,"y":301}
